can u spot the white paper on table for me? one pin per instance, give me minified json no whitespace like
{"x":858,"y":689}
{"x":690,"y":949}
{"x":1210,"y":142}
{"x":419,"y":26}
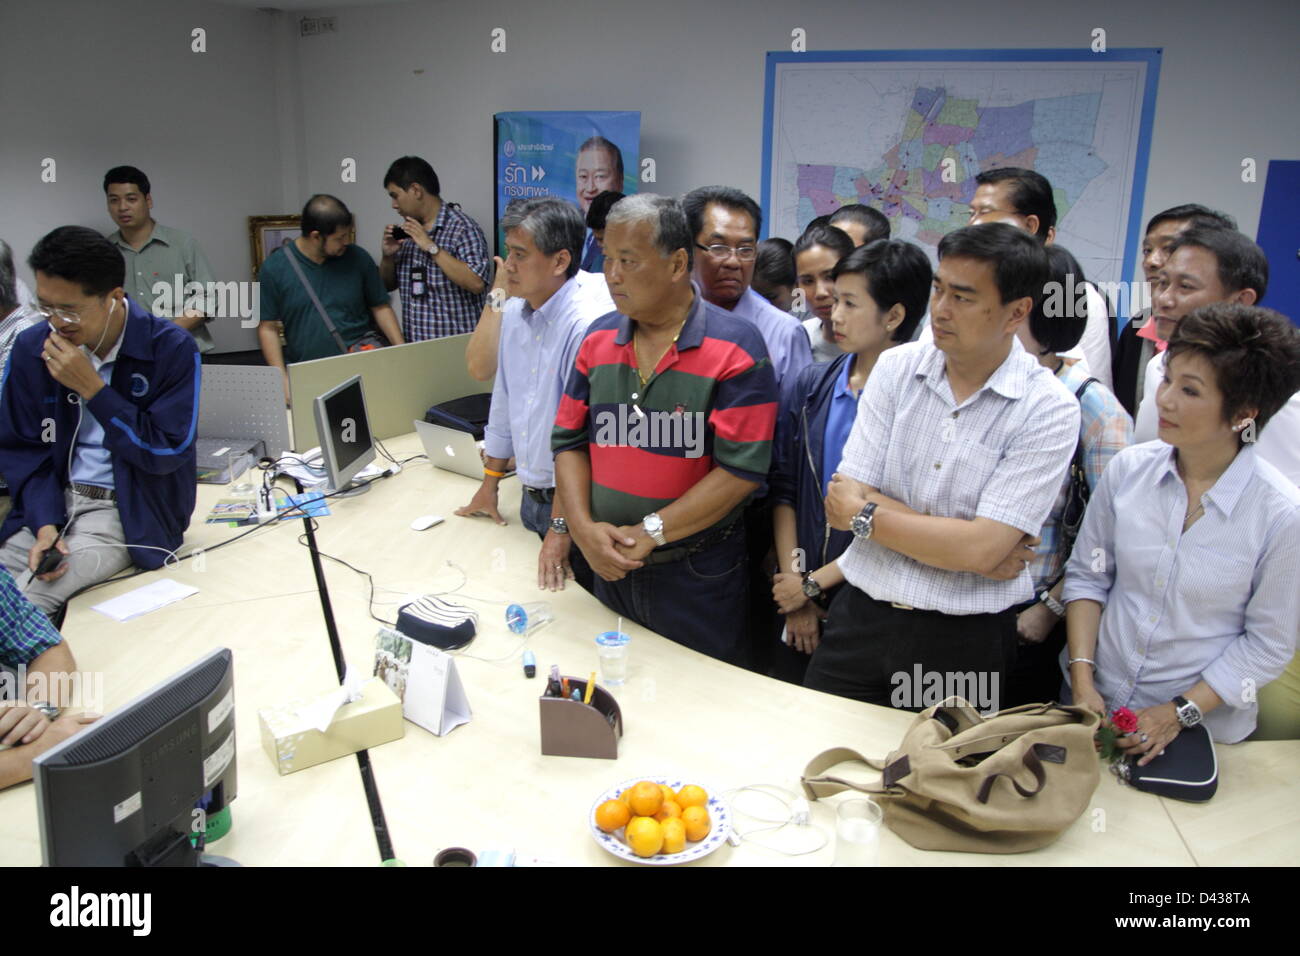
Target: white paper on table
{"x":144,"y":599}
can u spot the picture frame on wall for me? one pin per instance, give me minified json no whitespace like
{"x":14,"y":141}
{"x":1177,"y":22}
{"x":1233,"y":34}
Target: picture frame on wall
{"x":267,"y":233}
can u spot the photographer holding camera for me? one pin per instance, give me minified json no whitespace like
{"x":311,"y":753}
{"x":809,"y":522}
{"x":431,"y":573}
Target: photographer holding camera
{"x":437,"y":258}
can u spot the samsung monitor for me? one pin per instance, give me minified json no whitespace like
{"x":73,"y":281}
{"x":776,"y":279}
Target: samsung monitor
{"x":126,"y":790}
{"x":344,"y":429}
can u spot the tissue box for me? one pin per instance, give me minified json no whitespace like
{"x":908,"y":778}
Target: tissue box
{"x":293,"y":743}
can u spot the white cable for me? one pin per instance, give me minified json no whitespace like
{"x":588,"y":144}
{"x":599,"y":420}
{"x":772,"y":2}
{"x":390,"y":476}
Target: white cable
{"x":72,"y":449}
{"x":790,"y":803}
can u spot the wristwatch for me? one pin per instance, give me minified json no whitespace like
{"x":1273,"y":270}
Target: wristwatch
{"x":434,"y":250}
{"x":654,"y":526}
{"x":559,"y":526}
{"x":861,"y":523}
{"x":1189,"y":715}
{"x":811,"y":589}
{"x":46,"y":708}
{"x":1055,"y":606}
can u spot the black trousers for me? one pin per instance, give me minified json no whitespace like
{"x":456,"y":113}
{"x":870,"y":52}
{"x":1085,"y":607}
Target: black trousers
{"x":1037,"y":676}
{"x":874,"y":652}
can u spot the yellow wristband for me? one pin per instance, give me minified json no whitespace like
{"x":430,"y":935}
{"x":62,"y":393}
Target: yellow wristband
{"x":494,"y":474}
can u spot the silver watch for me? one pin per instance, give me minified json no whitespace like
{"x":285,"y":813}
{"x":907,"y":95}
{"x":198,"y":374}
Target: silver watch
{"x":1189,"y":715}
{"x":559,"y":526}
{"x":654,"y":526}
{"x":862,"y":521}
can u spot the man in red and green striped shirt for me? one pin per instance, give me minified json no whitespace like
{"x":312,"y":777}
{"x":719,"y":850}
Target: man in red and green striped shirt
{"x":662,"y":435}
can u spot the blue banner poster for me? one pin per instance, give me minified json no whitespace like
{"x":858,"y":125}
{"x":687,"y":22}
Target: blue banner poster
{"x":570,"y":155}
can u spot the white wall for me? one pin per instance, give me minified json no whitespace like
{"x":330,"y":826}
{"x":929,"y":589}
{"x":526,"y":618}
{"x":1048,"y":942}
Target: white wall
{"x":695,"y":70}
{"x":264,"y":118}
{"x":94,"y":85}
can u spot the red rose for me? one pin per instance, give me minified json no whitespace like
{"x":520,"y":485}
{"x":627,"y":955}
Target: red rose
{"x":1125,"y":720}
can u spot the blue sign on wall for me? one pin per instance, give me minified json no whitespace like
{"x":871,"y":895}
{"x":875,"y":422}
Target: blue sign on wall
{"x":570,"y":155}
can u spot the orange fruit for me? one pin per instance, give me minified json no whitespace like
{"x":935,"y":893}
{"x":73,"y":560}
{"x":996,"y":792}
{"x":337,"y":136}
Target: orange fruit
{"x":674,"y":835}
{"x":692,"y":796}
{"x":645,"y":836}
{"x":696,"y":821}
{"x":612,"y":814}
{"x":669,"y":810}
{"x":646,"y":799}
{"x":626,"y":797}
{"x":667,"y":791}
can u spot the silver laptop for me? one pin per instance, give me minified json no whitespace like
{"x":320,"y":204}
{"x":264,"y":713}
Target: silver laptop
{"x":451,"y":449}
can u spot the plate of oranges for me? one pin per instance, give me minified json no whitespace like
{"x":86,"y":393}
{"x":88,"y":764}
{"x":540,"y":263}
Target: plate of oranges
{"x":659,"y":820}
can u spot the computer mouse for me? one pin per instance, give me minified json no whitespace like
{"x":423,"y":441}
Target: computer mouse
{"x":424,"y":522}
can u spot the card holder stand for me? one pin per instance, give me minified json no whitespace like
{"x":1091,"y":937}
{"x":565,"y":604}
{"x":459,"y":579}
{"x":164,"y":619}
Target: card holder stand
{"x":571,"y":728}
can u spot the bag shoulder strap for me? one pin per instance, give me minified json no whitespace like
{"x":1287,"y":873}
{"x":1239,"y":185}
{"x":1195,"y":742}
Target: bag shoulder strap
{"x":293,"y":261}
{"x":1078,"y":448}
{"x":816,"y":784}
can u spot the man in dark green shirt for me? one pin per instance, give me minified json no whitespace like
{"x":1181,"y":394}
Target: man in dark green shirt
{"x":344,"y":278}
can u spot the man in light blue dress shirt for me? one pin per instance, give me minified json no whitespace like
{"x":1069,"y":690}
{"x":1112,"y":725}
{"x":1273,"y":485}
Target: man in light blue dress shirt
{"x":543,"y":324}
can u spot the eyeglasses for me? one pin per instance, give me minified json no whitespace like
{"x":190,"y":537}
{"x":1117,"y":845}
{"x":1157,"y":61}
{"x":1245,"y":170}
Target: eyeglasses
{"x":64,"y":315}
{"x":721,"y":253}
{"x":981,"y":213}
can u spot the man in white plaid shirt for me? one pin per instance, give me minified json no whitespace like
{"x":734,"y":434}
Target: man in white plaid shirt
{"x":955,"y":458}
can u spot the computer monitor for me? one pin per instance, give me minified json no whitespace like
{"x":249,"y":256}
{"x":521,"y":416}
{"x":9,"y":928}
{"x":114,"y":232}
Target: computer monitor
{"x":344,"y":429}
{"x":123,"y":791}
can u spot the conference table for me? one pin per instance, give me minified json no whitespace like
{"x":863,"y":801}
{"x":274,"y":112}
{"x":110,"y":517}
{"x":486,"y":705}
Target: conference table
{"x":486,"y":785}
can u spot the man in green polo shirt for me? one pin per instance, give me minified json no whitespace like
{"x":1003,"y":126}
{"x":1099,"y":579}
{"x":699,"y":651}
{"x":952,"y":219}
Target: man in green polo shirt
{"x":157,"y":254}
{"x":343,"y":277}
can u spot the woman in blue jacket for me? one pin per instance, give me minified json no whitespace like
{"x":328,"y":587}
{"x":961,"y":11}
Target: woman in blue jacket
{"x":881,"y":293}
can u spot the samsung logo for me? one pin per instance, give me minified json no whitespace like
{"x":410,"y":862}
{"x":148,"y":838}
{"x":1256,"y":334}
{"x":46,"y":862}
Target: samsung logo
{"x":170,"y":745}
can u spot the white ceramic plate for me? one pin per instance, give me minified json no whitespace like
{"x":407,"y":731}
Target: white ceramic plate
{"x":719,"y":818}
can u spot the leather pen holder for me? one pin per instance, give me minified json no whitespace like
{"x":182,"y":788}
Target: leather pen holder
{"x":571,"y":728}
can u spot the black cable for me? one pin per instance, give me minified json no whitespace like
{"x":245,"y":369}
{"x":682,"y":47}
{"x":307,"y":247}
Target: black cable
{"x":370,"y":601}
{"x":289,"y":512}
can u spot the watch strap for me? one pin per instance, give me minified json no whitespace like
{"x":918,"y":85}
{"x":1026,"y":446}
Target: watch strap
{"x":1052,"y":603}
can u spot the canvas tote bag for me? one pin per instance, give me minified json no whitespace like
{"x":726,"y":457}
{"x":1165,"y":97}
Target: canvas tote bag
{"x":960,"y":781}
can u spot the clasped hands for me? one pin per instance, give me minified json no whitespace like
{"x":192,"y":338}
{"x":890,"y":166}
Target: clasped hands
{"x":613,"y":551}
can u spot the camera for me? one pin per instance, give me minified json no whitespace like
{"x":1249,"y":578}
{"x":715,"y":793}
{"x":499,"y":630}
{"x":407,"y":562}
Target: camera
{"x":398,"y":233}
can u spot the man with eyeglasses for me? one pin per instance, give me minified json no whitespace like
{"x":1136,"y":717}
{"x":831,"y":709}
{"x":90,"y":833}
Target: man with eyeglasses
{"x":97,"y":421}
{"x":725,"y":224}
{"x":542,"y":326}
{"x":1024,"y":198}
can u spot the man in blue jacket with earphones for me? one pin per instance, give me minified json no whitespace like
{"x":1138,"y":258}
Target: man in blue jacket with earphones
{"x":97,"y":424}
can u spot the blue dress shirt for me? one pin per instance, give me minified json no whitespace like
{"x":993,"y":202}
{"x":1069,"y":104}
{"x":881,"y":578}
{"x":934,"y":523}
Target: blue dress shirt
{"x":536,"y":352}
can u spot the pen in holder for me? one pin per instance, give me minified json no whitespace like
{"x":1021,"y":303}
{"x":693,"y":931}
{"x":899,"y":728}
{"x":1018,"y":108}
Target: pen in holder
{"x":571,"y":728}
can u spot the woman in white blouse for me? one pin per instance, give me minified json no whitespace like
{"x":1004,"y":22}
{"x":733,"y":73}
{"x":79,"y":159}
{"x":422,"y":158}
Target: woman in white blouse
{"x":1181,"y":591}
